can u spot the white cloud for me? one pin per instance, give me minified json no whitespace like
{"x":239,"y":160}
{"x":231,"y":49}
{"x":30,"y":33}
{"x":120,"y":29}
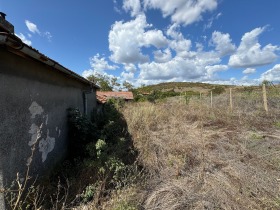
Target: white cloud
{"x":134,"y":6}
{"x":24,"y":39}
{"x":222,"y":43}
{"x":211,"y":20}
{"x":176,"y":68}
{"x":162,"y":56}
{"x":174,"y":32}
{"x":32,"y":27}
{"x":155,"y":38}
{"x":182,"y":11}
{"x":130,"y":68}
{"x":249,"y":71}
{"x":87,"y":73}
{"x":181,"y":46}
{"x":211,"y":70}
{"x":116,"y":7}
{"x":272,"y":75}
{"x":48,"y":35}
{"x":99,"y":64}
{"x":250,"y":54}
{"x":127,"y":39}
{"x":127,"y":76}
{"x":182,"y":68}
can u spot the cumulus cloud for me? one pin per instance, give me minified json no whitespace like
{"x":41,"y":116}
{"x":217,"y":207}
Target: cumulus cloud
{"x":127,"y":76}
{"x":251,"y":54}
{"x":181,"y":46}
{"x":134,"y":6}
{"x":136,"y":36}
{"x":184,"y":67}
{"x":130,"y":68}
{"x":211,"y":70}
{"x":249,"y":71}
{"x":223,"y":43}
{"x":176,"y":68}
{"x":272,"y":75}
{"x":32,"y":27}
{"x":162,"y":56}
{"x":155,"y":38}
{"x":88,"y":73}
{"x":24,"y":39}
{"x":174,"y":32}
{"x":182,"y":11}
{"x":100,"y":64}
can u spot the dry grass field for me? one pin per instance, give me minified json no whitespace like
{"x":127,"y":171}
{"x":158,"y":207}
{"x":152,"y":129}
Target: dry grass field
{"x":198,"y":157}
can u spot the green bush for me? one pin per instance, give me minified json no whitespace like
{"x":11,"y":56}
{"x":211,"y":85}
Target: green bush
{"x":217,"y":90}
{"x":102,"y":146}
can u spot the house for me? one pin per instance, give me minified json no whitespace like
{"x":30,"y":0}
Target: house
{"x":103,"y":96}
{"x":35,"y":93}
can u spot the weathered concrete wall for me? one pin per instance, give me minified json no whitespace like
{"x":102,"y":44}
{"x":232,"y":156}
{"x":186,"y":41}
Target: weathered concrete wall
{"x":34,"y":99}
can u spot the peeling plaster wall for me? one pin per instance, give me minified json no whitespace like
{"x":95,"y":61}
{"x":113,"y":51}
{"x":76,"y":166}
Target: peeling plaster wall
{"x":34,"y":99}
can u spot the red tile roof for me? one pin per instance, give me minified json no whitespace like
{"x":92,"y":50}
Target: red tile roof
{"x":102,"y":96}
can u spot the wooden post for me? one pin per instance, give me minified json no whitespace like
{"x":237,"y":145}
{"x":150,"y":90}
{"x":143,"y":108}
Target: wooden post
{"x":200,"y":95}
{"x":230,"y":99}
{"x":211,"y":99}
{"x":264,"y":98}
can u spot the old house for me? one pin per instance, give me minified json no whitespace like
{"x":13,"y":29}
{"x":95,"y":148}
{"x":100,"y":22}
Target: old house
{"x":35,"y":93}
{"x":103,"y":96}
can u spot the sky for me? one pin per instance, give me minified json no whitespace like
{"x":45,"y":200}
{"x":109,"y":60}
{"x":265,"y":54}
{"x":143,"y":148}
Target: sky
{"x":152,"y":41}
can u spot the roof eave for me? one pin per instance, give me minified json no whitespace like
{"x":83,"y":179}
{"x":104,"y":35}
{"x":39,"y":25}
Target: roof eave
{"x":15,"y":43}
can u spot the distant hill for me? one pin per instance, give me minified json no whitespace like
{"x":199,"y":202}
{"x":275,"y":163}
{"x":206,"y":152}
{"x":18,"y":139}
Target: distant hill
{"x":180,"y":87}
{"x":171,"y":89}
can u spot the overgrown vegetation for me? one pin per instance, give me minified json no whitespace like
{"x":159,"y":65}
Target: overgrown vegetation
{"x":200,"y":157}
{"x":177,"y":153}
{"x":100,"y":161}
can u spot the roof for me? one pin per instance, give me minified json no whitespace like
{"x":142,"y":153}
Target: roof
{"x":15,"y":45}
{"x":102,"y":96}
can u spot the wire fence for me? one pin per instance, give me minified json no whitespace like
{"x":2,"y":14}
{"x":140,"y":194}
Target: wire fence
{"x":259,"y":98}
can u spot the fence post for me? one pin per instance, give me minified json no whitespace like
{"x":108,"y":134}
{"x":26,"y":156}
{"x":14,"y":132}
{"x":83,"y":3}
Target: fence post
{"x":264,"y":98}
{"x":230,"y":99}
{"x":211,"y":99}
{"x":200,"y":95}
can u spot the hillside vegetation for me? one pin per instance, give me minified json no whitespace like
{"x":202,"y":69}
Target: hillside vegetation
{"x":171,"y":89}
{"x":180,"y":87}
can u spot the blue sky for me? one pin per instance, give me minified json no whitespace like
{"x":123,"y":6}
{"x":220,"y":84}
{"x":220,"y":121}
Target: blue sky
{"x":152,"y":41}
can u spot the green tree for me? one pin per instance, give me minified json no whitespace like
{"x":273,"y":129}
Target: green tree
{"x":128,"y":86}
{"x":105,"y":82}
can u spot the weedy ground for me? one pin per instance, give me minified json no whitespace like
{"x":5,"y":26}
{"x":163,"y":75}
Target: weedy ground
{"x":190,"y":155}
{"x":202,"y":157}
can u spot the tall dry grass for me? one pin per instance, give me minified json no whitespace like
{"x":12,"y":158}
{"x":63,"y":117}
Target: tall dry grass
{"x":198,"y":157}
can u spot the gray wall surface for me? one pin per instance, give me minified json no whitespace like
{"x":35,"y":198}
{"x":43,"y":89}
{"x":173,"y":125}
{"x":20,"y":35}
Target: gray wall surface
{"x":34,"y":99}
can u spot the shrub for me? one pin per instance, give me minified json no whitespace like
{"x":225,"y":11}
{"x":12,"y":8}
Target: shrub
{"x":217,"y":90}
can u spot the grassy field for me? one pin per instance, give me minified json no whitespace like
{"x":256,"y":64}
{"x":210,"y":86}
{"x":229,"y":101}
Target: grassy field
{"x":198,"y":157}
